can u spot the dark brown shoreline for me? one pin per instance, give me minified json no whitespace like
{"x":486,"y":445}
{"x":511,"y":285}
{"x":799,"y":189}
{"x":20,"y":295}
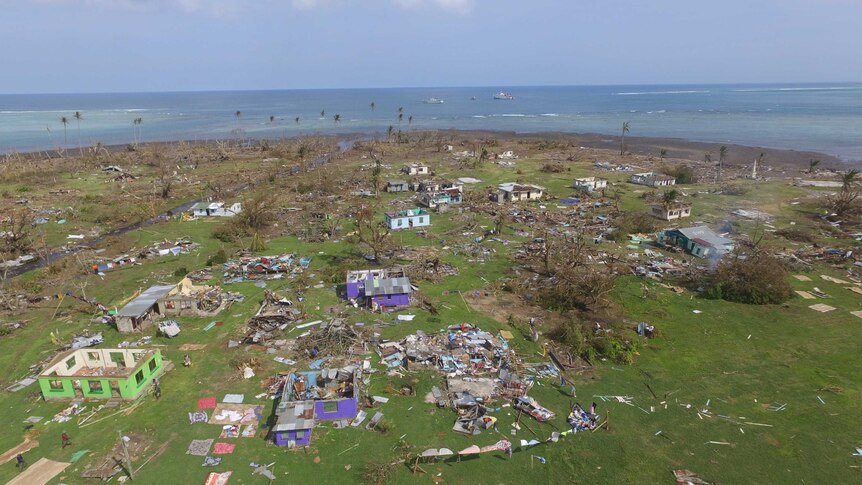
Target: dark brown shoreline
{"x":677,"y":148}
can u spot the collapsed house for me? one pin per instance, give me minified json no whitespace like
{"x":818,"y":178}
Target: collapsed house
{"x":436,"y":194}
{"x":479,"y":368}
{"x":652,"y":179}
{"x":407,"y":219}
{"x":182,"y":299}
{"x":215,"y":209}
{"x":273,"y":317}
{"x":513,"y":192}
{"x":669,"y":212}
{"x":263,"y":267}
{"x":100,"y":373}
{"x":698,"y":241}
{"x":590,"y":184}
{"x":138,"y":314}
{"x":309,"y":397}
{"x":378,"y":289}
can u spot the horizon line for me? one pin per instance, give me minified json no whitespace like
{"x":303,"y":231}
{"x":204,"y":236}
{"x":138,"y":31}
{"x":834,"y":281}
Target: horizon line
{"x":250,"y":90}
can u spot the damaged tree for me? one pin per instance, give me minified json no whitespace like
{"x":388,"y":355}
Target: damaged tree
{"x":751,"y":275}
{"x":573,"y":282}
{"x":373,"y":233}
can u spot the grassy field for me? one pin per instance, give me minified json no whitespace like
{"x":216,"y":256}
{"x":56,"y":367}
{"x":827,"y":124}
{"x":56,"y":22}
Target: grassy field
{"x":715,"y":368}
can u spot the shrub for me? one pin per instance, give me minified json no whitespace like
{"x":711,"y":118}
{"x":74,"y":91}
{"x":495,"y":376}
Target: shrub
{"x":181,"y":272}
{"x":683,"y":174}
{"x":220,"y":257}
{"x":756,"y":278}
{"x":634,"y":223}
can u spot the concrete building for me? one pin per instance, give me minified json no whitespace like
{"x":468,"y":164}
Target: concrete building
{"x":378,"y":289}
{"x":100,"y":373}
{"x":514,"y":192}
{"x":215,"y":209}
{"x":590,"y":184}
{"x":416,"y":169}
{"x":653,"y":179}
{"x":698,"y":241}
{"x":407,"y":219}
{"x":669,"y":212}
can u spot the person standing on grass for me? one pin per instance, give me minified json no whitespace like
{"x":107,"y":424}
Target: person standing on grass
{"x":187,"y":360}
{"x":64,"y":438}
{"x":157,"y":390}
{"x":20,"y":464}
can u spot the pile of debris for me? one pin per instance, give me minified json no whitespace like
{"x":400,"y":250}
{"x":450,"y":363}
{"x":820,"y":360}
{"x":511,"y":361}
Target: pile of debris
{"x":431,"y":269}
{"x":275,"y":314}
{"x":336,"y":338}
{"x":263,"y":267}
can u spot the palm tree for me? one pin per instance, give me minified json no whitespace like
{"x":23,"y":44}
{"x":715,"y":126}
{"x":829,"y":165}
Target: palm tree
{"x":323,"y":113}
{"x":662,"y":154}
{"x":722,"y":154}
{"x":669,"y":197}
{"x":135,"y":123}
{"x":271,"y":119}
{"x":238,"y":115}
{"x":849,"y":179}
{"x":296,"y":119}
{"x":79,"y":117}
{"x":812,"y":165}
{"x":400,"y":117}
{"x":390,"y":131}
{"x":401,"y":109}
{"x":410,"y":120}
{"x":65,"y":122}
{"x":707,"y":157}
{"x":337,"y":118}
{"x":372,"y":106}
{"x":623,"y":138}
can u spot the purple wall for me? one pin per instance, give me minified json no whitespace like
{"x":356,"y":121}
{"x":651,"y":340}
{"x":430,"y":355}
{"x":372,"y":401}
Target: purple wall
{"x":347,"y":408}
{"x":352,"y":290}
{"x":283,"y":437}
{"x":401,"y":299}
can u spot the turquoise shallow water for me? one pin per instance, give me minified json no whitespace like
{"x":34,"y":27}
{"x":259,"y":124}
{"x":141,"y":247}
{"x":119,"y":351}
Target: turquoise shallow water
{"x":825,"y":118}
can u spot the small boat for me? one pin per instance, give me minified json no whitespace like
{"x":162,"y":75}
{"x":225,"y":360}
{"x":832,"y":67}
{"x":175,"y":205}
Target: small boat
{"x":433,"y":101}
{"x":504,"y":95}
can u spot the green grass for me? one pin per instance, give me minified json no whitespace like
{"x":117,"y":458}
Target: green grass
{"x":735,"y":357}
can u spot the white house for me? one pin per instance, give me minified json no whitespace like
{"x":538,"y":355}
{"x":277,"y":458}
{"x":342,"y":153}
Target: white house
{"x":215,"y":209}
{"x":590,"y":184}
{"x":511,"y":191}
{"x":653,"y":179}
{"x":416,"y":169}
{"x":669,"y":212}
{"x":408,"y":219}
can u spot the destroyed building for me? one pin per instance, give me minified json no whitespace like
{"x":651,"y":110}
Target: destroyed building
{"x":698,"y":241}
{"x":590,"y":184}
{"x":397,"y":186}
{"x":188,"y":299}
{"x":263,"y":267}
{"x":215,"y":209}
{"x":309,"y":397}
{"x":100,"y":373}
{"x":416,"y":169}
{"x":138,"y":314}
{"x":378,"y":289}
{"x":436,"y":199}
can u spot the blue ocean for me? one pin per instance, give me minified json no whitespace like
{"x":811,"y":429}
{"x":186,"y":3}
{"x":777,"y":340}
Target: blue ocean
{"x":824,"y":118}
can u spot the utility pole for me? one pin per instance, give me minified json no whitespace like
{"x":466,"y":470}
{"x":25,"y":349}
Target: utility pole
{"x":126,"y":457}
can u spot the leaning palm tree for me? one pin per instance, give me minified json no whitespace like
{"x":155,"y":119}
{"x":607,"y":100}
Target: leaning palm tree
{"x":812,"y":165}
{"x":65,"y":122}
{"x":79,"y":117}
{"x":623,"y":138}
{"x":722,"y":154}
{"x":337,"y":118}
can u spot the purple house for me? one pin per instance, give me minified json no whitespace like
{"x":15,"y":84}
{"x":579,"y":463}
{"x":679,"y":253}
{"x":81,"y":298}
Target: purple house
{"x":308,"y":397}
{"x":379,"y":288}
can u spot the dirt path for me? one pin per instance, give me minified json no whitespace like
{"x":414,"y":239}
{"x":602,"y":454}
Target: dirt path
{"x":39,"y":473}
{"x":27,"y":445}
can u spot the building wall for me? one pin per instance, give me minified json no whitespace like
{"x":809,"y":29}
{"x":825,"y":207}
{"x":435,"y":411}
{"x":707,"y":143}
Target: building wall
{"x":402,"y":299}
{"x":347,"y":409}
{"x":405,"y":222}
{"x":128,"y":388}
{"x":299,"y":437}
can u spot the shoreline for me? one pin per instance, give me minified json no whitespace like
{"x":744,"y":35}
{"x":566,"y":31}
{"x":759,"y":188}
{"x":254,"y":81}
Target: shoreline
{"x":677,"y":148}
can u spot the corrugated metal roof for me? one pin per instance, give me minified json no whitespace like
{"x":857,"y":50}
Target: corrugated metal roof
{"x":388,"y":286}
{"x":142,"y":303}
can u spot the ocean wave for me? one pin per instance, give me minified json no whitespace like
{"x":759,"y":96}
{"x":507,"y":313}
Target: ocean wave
{"x":656,"y":112}
{"x":641,"y":93}
{"x":478,"y":116}
{"x":513,"y":115}
{"x":550,"y":115}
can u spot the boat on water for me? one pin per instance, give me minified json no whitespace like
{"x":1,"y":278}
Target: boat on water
{"x":504,"y":96}
{"x":433,"y":101}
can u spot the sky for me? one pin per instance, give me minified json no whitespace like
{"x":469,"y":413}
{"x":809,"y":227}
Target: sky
{"x":75,"y":46}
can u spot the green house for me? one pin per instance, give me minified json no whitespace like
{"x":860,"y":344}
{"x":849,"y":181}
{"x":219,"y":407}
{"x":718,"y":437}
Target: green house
{"x":100,"y":373}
